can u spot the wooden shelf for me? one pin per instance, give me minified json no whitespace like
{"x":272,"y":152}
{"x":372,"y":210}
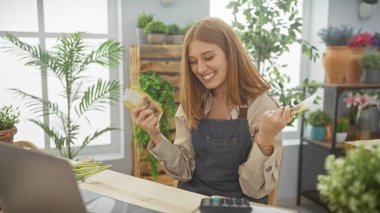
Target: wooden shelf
{"x":324,"y":144}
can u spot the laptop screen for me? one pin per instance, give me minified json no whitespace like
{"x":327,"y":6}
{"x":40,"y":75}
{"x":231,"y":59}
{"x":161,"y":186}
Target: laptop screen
{"x":34,"y":182}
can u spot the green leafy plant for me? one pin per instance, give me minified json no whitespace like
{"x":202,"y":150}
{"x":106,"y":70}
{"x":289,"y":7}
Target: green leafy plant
{"x":162,"y":92}
{"x":68,"y":62}
{"x":342,"y":124}
{"x":319,"y":118}
{"x":352,"y":183}
{"x":9,"y":117}
{"x":174,"y":29}
{"x":370,"y":61}
{"x":156,"y":27}
{"x":143,"y":19}
{"x":268,"y":28}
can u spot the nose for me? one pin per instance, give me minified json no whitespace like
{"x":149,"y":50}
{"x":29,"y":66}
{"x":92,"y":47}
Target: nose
{"x":202,"y":67}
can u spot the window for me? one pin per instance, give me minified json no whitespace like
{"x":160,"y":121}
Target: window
{"x":43,"y":21}
{"x":293,"y":59}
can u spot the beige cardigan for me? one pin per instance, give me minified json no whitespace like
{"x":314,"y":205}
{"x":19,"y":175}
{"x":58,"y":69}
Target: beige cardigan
{"x":257,"y":176}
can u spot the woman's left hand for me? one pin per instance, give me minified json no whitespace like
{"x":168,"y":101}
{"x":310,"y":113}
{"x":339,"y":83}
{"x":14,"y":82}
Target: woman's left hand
{"x":272,"y":123}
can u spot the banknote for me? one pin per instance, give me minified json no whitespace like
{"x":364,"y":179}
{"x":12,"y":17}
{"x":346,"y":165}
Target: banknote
{"x":303,"y":106}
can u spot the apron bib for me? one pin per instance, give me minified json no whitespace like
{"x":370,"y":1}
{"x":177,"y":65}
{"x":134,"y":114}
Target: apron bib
{"x":221,"y":146}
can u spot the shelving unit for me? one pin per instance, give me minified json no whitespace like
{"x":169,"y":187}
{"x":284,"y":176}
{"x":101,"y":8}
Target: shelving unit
{"x":165,"y":60}
{"x":320,"y":149}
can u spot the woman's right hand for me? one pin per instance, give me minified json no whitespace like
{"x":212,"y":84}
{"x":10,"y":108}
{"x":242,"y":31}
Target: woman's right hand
{"x":145,"y":118}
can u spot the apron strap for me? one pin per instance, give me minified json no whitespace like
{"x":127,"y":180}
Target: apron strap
{"x":243,"y":108}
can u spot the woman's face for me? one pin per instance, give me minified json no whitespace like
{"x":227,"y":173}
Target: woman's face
{"x":209,"y":63}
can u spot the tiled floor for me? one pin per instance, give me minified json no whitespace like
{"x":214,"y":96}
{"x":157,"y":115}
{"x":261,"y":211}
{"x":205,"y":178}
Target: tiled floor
{"x":306,"y":206}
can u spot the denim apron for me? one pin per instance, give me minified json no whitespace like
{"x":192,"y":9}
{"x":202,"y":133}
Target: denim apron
{"x":221,"y":146}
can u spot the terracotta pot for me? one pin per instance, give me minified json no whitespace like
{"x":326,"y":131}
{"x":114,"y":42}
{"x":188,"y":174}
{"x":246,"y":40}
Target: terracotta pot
{"x":355,"y":71}
{"x":336,"y":63}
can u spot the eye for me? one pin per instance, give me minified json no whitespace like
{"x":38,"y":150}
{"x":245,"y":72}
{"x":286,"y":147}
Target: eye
{"x":209,"y":58}
{"x":192,"y":62}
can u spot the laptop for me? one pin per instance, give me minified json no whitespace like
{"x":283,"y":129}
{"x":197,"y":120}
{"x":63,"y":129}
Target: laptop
{"x":35,"y":182}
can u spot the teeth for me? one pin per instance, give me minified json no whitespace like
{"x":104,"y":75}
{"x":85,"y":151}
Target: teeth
{"x":206,"y":77}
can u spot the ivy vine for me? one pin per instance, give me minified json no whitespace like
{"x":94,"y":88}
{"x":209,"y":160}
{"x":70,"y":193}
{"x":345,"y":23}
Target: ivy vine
{"x":163,"y":92}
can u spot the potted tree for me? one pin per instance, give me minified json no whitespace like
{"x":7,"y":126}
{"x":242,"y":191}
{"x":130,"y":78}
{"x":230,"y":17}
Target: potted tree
{"x":370,"y":62}
{"x":156,"y":31}
{"x":142,"y":20}
{"x":175,"y":34}
{"x":318,"y":120}
{"x":9,"y":117}
{"x":68,"y":63}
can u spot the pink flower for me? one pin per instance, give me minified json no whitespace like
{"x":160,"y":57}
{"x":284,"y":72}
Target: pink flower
{"x":361,"y":40}
{"x":362,"y":101}
{"x":350,"y":100}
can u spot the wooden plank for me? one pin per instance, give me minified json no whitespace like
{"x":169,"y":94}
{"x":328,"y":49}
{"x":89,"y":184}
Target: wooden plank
{"x":163,"y":179}
{"x":172,"y":79}
{"x":160,"y":51}
{"x":134,"y":65}
{"x":165,"y":66}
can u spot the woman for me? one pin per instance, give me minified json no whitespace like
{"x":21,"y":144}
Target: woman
{"x":228,"y":128}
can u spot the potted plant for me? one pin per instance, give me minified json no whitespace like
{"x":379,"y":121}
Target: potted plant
{"x":376,"y":41}
{"x":352,"y":182}
{"x":9,"y":117}
{"x":156,"y":31}
{"x":357,"y":46}
{"x":68,"y":62}
{"x":336,"y":58}
{"x":143,"y":19}
{"x":318,"y":120}
{"x":175,"y":34}
{"x":341,"y":129}
{"x":367,"y":8}
{"x":370,"y":62}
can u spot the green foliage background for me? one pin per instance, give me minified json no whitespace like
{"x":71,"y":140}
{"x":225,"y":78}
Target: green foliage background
{"x":162,"y":92}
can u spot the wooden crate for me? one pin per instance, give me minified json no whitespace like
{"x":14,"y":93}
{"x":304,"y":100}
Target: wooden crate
{"x":165,"y":60}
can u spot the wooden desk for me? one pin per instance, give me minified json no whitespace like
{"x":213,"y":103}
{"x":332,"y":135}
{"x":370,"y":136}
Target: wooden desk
{"x":145,"y":193}
{"x":368,"y":144}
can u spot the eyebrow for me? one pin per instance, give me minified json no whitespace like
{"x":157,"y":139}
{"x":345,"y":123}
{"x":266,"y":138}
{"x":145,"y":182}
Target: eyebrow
{"x":205,"y":53}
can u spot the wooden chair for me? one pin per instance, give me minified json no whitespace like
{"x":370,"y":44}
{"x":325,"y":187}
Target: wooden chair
{"x":26,"y":145}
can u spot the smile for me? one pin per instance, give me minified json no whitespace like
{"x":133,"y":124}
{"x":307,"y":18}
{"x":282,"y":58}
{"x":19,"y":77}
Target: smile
{"x":208,"y":76}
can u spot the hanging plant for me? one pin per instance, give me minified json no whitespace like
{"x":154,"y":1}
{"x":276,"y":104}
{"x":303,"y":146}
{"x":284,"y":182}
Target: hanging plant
{"x":162,"y":92}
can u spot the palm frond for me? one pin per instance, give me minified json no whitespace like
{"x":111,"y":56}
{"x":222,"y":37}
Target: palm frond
{"x":34,"y":55}
{"x":37,"y":105}
{"x":54,"y":134}
{"x":97,"y":95}
{"x":91,"y":137}
{"x":108,"y":54}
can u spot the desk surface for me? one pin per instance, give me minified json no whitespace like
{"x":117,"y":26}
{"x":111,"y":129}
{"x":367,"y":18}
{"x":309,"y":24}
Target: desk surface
{"x":145,"y":193}
{"x":368,"y":144}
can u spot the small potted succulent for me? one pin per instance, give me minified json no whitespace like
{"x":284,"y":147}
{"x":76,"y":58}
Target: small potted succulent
{"x":367,"y":8}
{"x":336,"y":58}
{"x":175,"y":34}
{"x":143,"y":19}
{"x":318,"y":120}
{"x":156,"y":31}
{"x":370,"y":62}
{"x":9,"y":117}
{"x":341,"y":129}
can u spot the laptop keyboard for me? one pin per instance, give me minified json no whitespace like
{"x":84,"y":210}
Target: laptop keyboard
{"x":96,"y":203}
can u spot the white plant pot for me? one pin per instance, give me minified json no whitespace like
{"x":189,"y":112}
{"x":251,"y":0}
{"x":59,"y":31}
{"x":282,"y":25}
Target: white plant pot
{"x":340,"y":137}
{"x":366,"y":10}
{"x":142,"y":38}
{"x":156,"y":38}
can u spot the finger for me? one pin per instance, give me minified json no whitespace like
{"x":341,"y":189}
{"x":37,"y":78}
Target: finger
{"x":278,"y":112}
{"x":147,"y":120}
{"x":287,"y":113}
{"x":143,"y":115}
